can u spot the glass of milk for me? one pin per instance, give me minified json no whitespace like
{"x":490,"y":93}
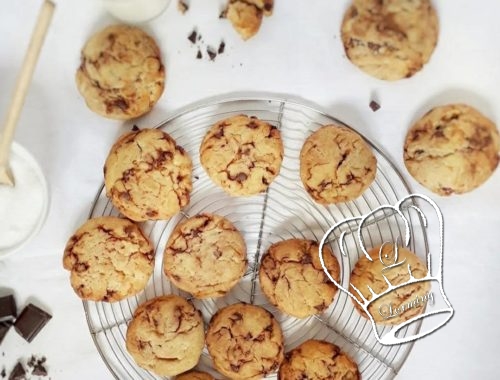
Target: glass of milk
{"x":136,"y":11}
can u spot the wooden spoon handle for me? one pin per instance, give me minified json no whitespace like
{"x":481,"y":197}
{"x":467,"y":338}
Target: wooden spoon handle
{"x":24,"y":79}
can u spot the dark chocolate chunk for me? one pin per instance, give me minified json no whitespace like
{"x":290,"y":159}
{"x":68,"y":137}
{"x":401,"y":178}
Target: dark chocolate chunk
{"x":199,"y":55}
{"x":39,"y":370}
{"x":31,"y":363}
{"x":3,"y":373}
{"x":18,"y":373}
{"x":192,"y":36}
{"x":223,"y":13}
{"x":222,"y":47}
{"x":211,"y":53}
{"x":38,"y":367}
{"x":374,"y":106}
{"x":4,"y":328}
{"x":135,"y":128}
{"x":8,"y":310}
{"x":31,"y":321}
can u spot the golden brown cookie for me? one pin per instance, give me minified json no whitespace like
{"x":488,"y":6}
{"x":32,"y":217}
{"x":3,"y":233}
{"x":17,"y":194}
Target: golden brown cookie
{"x":205,"y":256}
{"x":370,"y":273}
{"x":318,"y":360}
{"x":166,"y":335}
{"x":246,"y":15}
{"x":453,"y":149}
{"x":195,"y":375}
{"x":148,"y":176}
{"x":109,"y":259}
{"x":242,"y":154}
{"x":390,"y":40}
{"x":293,"y":280}
{"x":336,"y":165}
{"x":121,"y":75}
{"x":245,"y":342}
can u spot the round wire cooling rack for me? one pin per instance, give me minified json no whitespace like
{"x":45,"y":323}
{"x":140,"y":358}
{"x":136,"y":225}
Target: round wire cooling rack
{"x":285,"y":211}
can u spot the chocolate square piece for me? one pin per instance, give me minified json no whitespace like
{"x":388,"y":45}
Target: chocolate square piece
{"x":4,"y":327}
{"x":8,"y":310}
{"x":31,"y":320}
{"x":18,"y":373}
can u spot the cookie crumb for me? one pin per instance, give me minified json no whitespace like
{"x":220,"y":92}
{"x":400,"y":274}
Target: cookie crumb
{"x":182,"y":6}
{"x":199,"y":55}
{"x":223,"y":13}
{"x":374,"y":106}
{"x":192,"y":36}
{"x":18,"y":373}
{"x":222,"y":47}
{"x":211,"y":53}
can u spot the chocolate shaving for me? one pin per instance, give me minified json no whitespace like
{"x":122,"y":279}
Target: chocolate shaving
{"x":222,"y":47}
{"x":18,"y":373}
{"x":374,"y":106}
{"x":211,"y":53}
{"x":192,"y":36}
{"x":199,"y":55}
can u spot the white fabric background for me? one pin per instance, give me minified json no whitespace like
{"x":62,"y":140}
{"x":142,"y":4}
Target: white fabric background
{"x":298,"y":52}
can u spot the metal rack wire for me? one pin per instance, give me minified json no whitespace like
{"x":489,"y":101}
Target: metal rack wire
{"x":283,"y":212}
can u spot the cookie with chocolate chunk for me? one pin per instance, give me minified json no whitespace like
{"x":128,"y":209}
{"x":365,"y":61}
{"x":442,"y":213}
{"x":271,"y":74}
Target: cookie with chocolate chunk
{"x":109,"y":259}
{"x":121,"y":75}
{"x":242,"y":154}
{"x":205,"y":256}
{"x":390,"y":40}
{"x":336,"y":165}
{"x":246,"y":15}
{"x":166,"y":335}
{"x":372,"y":275}
{"x":318,"y":360}
{"x":148,"y":176}
{"x":195,"y":375}
{"x":245,"y":342}
{"x":293,"y":280}
{"x":453,"y":149}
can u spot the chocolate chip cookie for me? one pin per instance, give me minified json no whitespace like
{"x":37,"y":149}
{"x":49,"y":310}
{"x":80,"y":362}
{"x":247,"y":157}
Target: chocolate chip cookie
{"x":245,"y":342}
{"x":453,"y":149}
{"x":318,"y":360}
{"x":336,"y":165}
{"x":195,"y":375}
{"x":148,"y":176}
{"x":109,"y":259}
{"x":166,"y":335}
{"x":205,"y":256}
{"x":246,"y":15}
{"x":242,"y":154}
{"x":293,"y":280}
{"x":121,"y":75}
{"x":390,"y":40}
{"x":368,"y":273}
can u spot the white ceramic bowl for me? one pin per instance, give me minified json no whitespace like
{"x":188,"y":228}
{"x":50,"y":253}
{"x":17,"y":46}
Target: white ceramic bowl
{"x":36,"y":221}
